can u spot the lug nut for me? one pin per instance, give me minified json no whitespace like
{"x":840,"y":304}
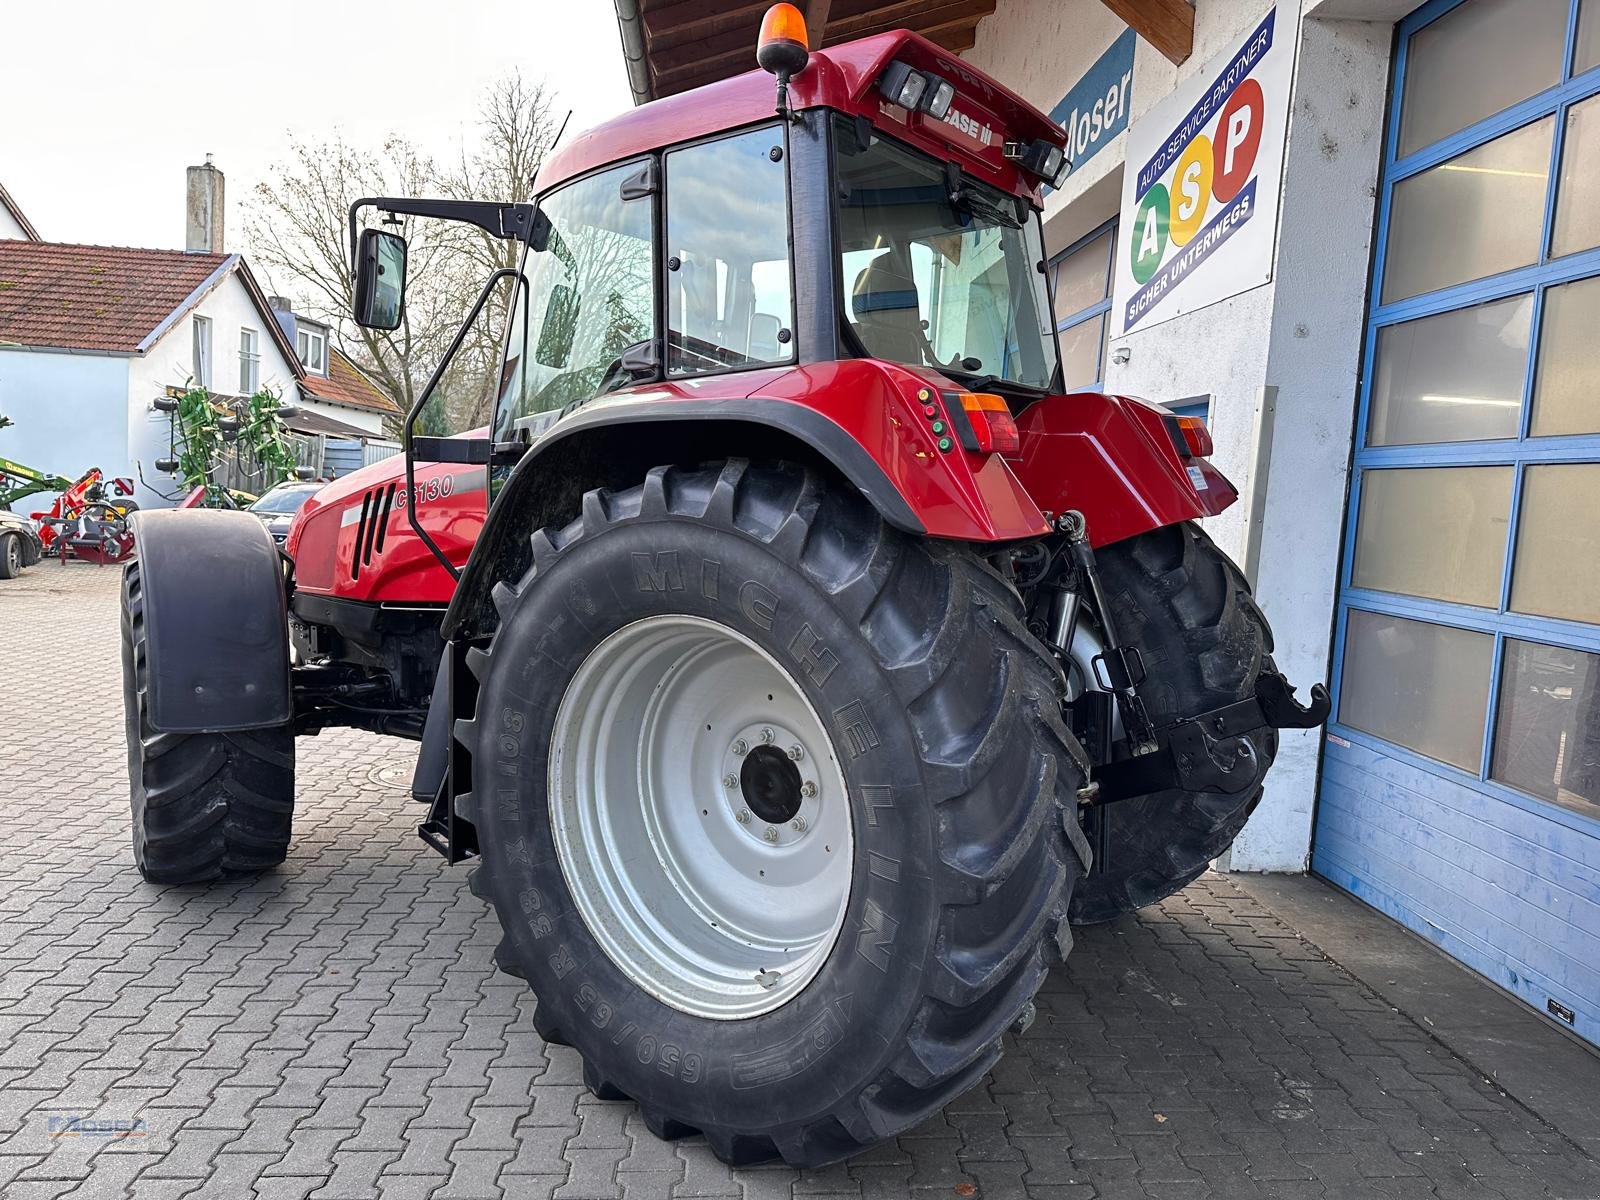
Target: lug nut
{"x":743,"y":816}
{"x":798,"y":824}
{"x":741,"y":748}
{"x":808,"y":788}
{"x":771,"y":834}
{"x":796,"y":753}
{"x":729,"y":781}
{"x":767,"y":735}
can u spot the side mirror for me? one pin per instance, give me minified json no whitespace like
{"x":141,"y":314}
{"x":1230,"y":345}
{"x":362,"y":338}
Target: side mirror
{"x":380,"y":270}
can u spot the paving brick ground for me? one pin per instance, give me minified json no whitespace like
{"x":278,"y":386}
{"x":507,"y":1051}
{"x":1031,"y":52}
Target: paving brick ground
{"x":336,"y":1029}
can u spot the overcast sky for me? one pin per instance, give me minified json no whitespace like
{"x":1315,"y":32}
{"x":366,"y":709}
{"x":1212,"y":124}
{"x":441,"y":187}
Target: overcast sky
{"x":103,"y":103}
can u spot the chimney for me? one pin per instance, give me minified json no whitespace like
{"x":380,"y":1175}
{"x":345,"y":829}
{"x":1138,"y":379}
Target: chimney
{"x":202,"y":210}
{"x":283,"y":313}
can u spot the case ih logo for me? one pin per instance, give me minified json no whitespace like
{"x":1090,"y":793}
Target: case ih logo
{"x":979,"y":133}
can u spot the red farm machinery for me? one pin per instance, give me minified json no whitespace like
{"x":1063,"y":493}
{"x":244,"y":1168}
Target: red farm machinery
{"x":793,"y":660}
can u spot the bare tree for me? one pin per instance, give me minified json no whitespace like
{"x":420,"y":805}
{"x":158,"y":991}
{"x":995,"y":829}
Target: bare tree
{"x":297,"y":231}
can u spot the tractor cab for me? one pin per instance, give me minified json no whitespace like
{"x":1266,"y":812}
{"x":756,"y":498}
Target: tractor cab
{"x":877,"y":202}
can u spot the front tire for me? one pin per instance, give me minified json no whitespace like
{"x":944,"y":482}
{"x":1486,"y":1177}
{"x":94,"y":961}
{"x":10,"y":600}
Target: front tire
{"x":204,"y":804}
{"x":943,"y":771}
{"x":10,"y":556}
{"x":1189,"y":612}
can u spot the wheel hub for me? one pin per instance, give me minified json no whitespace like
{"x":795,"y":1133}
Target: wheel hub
{"x":770,"y":784}
{"x":700,"y":816}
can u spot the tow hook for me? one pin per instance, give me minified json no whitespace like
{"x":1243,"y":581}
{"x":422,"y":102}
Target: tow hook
{"x":1283,"y":711}
{"x":1211,"y":752}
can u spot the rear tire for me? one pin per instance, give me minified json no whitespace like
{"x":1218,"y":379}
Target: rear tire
{"x":940,"y":717}
{"x":204,"y":804}
{"x":1188,"y":610}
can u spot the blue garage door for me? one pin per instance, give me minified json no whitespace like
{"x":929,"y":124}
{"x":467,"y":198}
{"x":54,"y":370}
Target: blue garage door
{"x":1461,"y":779}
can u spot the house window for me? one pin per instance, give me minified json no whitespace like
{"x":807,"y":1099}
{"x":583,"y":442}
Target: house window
{"x":312,"y":346}
{"x":249,"y":362}
{"x":1081,"y":281}
{"x":201,"y":366}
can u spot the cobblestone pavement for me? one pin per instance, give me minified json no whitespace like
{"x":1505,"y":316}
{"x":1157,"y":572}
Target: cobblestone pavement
{"x":336,"y":1029}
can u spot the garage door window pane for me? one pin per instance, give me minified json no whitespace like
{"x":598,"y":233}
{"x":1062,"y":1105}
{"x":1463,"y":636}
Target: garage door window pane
{"x":1566,"y":386}
{"x":1556,"y":571}
{"x":1476,"y":60}
{"x":1480,"y":213}
{"x":1455,"y":377}
{"x":1434,"y":531}
{"x":1587,"y":52}
{"x":1084,"y":277}
{"x":1577,"y":186}
{"x":1080,"y":352}
{"x":1417,"y":684}
{"x":1547,"y":731}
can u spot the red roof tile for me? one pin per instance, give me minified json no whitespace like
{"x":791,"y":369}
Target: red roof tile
{"x":345,"y":384}
{"x":107,"y":298}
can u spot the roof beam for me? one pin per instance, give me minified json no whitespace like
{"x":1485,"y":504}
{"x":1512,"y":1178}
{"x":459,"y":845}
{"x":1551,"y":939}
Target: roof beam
{"x":675,"y":24}
{"x":916,"y":15}
{"x":725,"y":44}
{"x":1168,"y":25}
{"x":816,"y":21}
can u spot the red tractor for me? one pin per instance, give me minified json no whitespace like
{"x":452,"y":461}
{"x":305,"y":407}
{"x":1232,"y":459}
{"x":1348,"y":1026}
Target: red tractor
{"x":795,"y":660}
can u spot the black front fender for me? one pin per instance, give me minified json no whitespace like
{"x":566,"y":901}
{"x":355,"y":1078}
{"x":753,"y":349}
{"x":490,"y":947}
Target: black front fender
{"x":216,"y":622}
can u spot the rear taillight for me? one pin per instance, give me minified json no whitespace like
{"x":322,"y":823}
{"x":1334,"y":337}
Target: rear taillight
{"x":1190,"y":437}
{"x":982,"y":422}
{"x":1196,"y":436}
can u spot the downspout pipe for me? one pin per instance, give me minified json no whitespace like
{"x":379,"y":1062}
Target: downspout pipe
{"x":631,"y":24}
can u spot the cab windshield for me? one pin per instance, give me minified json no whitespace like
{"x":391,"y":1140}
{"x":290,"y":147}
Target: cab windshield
{"x":953,"y":285}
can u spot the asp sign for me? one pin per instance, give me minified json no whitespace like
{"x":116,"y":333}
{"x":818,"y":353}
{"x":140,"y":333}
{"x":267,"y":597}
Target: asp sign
{"x":1200,"y":191}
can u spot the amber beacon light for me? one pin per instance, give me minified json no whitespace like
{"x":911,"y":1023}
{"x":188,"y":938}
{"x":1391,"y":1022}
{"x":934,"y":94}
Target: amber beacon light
{"x":782,"y":49}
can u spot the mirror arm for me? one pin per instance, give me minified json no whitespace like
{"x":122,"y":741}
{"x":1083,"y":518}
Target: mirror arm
{"x":497,"y":220}
{"x":423,"y":397}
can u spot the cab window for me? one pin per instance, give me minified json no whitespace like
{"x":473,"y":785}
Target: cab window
{"x":585,"y":299}
{"x":729,"y":298}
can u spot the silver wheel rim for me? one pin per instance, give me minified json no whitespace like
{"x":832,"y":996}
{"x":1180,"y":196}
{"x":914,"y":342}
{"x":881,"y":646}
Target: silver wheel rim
{"x":712,"y":881}
{"x":14,"y":553}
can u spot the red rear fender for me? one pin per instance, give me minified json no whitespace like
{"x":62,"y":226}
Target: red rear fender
{"x":1113,"y":458}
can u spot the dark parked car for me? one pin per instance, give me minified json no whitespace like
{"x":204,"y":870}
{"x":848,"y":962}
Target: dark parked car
{"x":278,"y":505}
{"x":19,"y":544}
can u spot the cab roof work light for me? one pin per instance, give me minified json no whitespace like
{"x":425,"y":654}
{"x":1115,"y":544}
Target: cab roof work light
{"x":919,"y":91}
{"x":1042,"y":157}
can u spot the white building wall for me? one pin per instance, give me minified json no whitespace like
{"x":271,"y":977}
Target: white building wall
{"x":8,"y":225}
{"x":169,"y":363}
{"x":69,"y":413}
{"x":1293,"y":343}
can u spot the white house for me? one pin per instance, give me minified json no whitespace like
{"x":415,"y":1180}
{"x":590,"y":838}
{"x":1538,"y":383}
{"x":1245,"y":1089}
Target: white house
{"x":338,"y":401}
{"x":13,"y":224}
{"x":90,"y":336}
